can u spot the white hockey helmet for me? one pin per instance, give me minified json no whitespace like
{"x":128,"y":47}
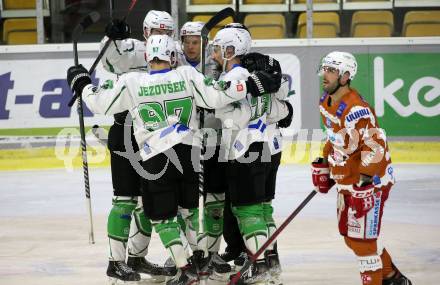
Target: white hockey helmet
{"x":238,"y":38}
{"x":236,"y":25}
{"x":191,"y":29}
{"x":158,"y":20}
{"x":342,"y":61}
{"x":161,"y":47}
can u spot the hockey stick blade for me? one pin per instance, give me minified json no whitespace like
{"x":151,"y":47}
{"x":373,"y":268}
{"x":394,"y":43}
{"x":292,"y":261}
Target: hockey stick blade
{"x":86,"y":22}
{"x":220,"y":16}
{"x":235,"y":278}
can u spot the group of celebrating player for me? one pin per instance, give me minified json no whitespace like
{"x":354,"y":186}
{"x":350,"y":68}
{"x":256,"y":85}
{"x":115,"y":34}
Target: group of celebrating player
{"x":158,"y":102}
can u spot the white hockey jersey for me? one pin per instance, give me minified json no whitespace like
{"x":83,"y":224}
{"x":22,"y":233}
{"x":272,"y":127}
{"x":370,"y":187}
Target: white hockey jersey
{"x":244,"y":121}
{"x":162,"y":104}
{"x":124,"y":55}
{"x":278,"y":111}
{"x":129,"y":55}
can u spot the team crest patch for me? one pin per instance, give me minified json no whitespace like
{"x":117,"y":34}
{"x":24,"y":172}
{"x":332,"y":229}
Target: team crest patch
{"x":276,"y":143}
{"x":239,"y":87}
{"x":341,"y":109}
{"x":366,"y":279}
{"x":238,"y":145}
{"x":162,"y":26}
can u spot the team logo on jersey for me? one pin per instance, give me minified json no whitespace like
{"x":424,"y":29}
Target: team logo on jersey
{"x":341,"y":109}
{"x":366,"y":279}
{"x":323,"y":97}
{"x":239,"y":87}
{"x":162,"y":26}
{"x":358,"y":114}
{"x":276,"y":144}
{"x":376,"y":180}
{"x":238,"y":145}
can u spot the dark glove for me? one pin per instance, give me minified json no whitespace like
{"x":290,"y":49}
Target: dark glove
{"x":285,"y":123}
{"x":77,"y":78}
{"x":255,"y":61}
{"x":262,"y":82}
{"x":117,"y":30}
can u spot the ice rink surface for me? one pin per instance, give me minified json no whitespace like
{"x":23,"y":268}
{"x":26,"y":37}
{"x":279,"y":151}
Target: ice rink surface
{"x":43,"y":229}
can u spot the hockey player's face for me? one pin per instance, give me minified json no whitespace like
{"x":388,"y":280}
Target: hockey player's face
{"x":330,"y":78}
{"x":217,"y":55}
{"x":191,"y":47}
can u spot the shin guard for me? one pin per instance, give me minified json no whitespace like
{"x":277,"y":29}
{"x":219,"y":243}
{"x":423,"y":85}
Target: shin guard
{"x":118,"y":226}
{"x":252,"y":225}
{"x":140,"y":233}
{"x":170,"y":234}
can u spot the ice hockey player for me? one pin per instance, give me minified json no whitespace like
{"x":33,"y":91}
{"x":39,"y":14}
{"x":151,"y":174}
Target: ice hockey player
{"x":279,"y":116}
{"x":214,"y":171}
{"x":246,"y":169}
{"x":357,"y":161}
{"x":126,"y":221}
{"x":163,"y":105}
{"x":188,"y":51}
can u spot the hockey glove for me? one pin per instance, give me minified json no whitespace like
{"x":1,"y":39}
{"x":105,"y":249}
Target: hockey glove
{"x":255,"y":61}
{"x":117,"y":30}
{"x":321,"y":176}
{"x":262,"y":82}
{"x":77,"y":78}
{"x":285,"y":123}
{"x":362,"y":199}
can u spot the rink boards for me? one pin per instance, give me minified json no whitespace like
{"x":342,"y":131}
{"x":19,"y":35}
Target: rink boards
{"x":399,"y":77}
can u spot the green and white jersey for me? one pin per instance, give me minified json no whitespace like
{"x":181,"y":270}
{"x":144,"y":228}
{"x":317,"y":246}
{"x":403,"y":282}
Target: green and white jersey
{"x":124,"y":55}
{"x":278,"y":111}
{"x":246,"y":119}
{"x":162,"y":104}
{"x":211,"y":124}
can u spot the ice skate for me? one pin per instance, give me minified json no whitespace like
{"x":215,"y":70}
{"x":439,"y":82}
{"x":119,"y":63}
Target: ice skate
{"x":273,"y":262}
{"x":169,"y":267}
{"x":143,"y":266}
{"x":240,"y":261}
{"x":257,"y":273}
{"x":228,"y":256}
{"x":219,"y":269}
{"x":185,"y":276}
{"x":201,"y":264}
{"x":119,"y":273}
{"x":397,"y":279}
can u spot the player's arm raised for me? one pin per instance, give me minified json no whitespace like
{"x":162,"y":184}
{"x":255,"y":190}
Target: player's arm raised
{"x":120,"y":56}
{"x":107,"y":99}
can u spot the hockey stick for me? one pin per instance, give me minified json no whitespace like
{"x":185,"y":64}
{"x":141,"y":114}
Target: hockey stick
{"x":90,"y":19}
{"x":214,"y":21}
{"x":239,"y":274}
{"x":103,"y":50}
